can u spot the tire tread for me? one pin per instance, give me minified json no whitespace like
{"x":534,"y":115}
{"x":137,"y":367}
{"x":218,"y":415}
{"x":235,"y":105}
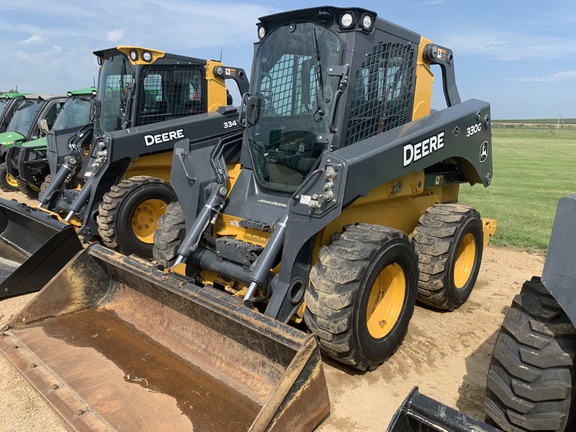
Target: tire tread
{"x":109,"y":208}
{"x":334,"y":286}
{"x":433,"y":238}
{"x":530,"y":381}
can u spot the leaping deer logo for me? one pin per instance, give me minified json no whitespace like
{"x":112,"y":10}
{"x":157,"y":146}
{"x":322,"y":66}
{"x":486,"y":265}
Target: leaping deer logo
{"x":484,"y":151}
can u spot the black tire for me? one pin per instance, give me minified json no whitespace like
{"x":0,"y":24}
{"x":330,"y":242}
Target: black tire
{"x":7,"y":182}
{"x":129,"y":212}
{"x":530,"y":383}
{"x":339,"y":294}
{"x":169,"y":234}
{"x":449,"y":239}
{"x":27,"y":189}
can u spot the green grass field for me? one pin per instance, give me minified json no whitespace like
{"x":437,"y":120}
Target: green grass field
{"x":533,"y":169}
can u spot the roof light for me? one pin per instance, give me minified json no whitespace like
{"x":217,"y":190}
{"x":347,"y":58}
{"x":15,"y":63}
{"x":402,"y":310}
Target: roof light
{"x":366,"y":22}
{"x":147,"y":56}
{"x":134,"y":55}
{"x":347,"y":20}
{"x":261,"y":32}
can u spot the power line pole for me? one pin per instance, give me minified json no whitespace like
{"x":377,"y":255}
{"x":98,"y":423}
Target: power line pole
{"x":563,"y":124}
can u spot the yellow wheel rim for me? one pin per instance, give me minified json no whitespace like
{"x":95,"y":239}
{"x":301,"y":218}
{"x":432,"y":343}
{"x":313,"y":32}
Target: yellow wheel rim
{"x":11,"y":180}
{"x":145,"y":219}
{"x":385,"y":301}
{"x":465,"y":257}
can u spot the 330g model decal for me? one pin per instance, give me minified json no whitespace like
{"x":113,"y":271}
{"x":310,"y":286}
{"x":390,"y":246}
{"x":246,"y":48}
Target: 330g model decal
{"x":473,"y":129}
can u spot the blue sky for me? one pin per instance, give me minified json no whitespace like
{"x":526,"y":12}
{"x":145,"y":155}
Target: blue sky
{"x":518,"y":55}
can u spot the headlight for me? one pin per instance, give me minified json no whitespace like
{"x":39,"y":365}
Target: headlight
{"x":134,"y":55}
{"x":367,"y":22}
{"x":261,"y":32}
{"x":147,"y":56}
{"x":347,"y":20}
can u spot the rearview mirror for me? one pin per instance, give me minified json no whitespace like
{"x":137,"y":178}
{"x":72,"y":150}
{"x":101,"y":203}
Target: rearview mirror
{"x":43,"y":125}
{"x":95,"y":107}
{"x":253,"y":105}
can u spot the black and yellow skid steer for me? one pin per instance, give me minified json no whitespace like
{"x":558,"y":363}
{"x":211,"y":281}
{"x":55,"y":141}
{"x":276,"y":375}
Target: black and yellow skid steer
{"x":342,"y":211}
{"x":111,"y":178}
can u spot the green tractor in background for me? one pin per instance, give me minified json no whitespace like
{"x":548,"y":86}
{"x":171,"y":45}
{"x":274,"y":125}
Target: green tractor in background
{"x":8,"y":103}
{"x":27,"y":163}
{"x":25,"y":126}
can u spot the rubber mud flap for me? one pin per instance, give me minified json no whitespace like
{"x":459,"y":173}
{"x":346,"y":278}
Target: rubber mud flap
{"x":113,"y":343}
{"x":423,"y":414}
{"x":33,"y":248}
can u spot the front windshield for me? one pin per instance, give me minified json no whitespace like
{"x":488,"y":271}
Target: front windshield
{"x":297,"y":98}
{"x":3,"y":105}
{"x":24,"y":116}
{"x":116,"y":76}
{"x":75,"y":113}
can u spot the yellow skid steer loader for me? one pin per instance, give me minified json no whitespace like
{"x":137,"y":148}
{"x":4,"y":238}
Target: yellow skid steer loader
{"x":342,"y":210}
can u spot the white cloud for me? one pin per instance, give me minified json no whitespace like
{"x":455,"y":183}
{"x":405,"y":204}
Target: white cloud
{"x":39,"y":57}
{"x":34,"y":39}
{"x":115,"y":36}
{"x":555,"y":77}
{"x":56,"y":49}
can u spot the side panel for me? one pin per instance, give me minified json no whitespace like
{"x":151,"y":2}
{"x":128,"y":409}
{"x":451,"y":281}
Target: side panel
{"x":460,"y":134}
{"x":146,"y":146}
{"x":559,"y":275}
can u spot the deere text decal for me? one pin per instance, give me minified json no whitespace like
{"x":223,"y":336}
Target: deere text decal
{"x":164,"y":137}
{"x":415,"y":152}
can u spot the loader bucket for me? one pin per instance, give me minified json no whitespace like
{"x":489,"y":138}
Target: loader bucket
{"x":113,"y":343}
{"x":419,"y":413}
{"x":33,"y":247}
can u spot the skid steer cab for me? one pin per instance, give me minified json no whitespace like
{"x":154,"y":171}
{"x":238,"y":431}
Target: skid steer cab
{"x":342,"y":211}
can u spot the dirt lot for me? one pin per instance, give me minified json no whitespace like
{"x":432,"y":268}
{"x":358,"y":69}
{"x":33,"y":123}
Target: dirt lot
{"x":445,"y":354}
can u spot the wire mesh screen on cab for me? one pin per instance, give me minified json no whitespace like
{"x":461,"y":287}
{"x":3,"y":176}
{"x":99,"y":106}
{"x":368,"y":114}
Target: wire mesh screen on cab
{"x":382,"y":98}
{"x":170,"y":94}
